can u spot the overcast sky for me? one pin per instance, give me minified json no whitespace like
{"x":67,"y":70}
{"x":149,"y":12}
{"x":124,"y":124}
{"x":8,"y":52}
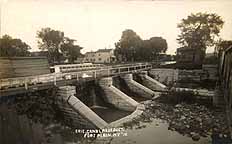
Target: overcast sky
{"x":99,"y":24}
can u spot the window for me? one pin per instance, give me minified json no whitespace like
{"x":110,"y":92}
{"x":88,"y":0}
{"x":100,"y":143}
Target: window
{"x":99,"y":59}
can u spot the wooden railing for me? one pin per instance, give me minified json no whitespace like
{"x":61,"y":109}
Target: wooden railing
{"x":55,"y":77}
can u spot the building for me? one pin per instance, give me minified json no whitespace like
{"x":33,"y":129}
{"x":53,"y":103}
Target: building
{"x":189,"y":57}
{"x":100,"y":56}
{"x":12,"y":67}
{"x":89,"y":57}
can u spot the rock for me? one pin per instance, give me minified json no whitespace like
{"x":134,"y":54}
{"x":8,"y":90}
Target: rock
{"x":176,"y":110}
{"x":196,"y":137}
{"x":220,"y":135}
{"x":198,"y":119}
{"x":178,"y":106}
{"x":182,"y":117}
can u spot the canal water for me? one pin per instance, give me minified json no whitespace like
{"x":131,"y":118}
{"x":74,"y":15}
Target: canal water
{"x":155,"y":132}
{"x":35,"y":121}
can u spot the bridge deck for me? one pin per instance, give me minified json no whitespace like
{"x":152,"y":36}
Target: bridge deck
{"x":12,"y":86}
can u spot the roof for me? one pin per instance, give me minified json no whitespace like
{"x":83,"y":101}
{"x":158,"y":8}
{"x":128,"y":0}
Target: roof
{"x":90,"y":53}
{"x":104,"y":50}
{"x":187,"y":49}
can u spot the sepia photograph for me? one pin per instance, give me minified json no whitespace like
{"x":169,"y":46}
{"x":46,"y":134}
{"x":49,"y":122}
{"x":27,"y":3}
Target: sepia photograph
{"x":115,"y":72}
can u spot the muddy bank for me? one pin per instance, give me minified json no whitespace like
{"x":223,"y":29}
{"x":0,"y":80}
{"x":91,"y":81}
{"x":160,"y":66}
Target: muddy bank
{"x":191,"y":120}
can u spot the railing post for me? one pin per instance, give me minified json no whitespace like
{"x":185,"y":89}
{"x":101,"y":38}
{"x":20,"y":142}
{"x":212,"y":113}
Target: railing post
{"x":95,"y":74}
{"x":55,"y":79}
{"x":108,"y":72}
{"x":37,"y":79}
{"x":25,"y":83}
{"x":77,"y":77}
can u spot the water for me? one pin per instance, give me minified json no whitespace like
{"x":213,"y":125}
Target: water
{"x":34,"y":121}
{"x":156,"y":132}
{"x":110,"y":114}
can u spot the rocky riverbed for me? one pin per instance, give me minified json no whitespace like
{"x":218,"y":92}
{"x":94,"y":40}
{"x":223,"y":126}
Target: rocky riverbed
{"x":192,"y":120}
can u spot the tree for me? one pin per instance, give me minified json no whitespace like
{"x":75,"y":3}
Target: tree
{"x":51,"y":41}
{"x":132,"y":48}
{"x":70,"y":50}
{"x":10,"y":47}
{"x":128,"y":45}
{"x":152,"y":47}
{"x":57,"y":45}
{"x":200,"y":30}
{"x":223,"y":44}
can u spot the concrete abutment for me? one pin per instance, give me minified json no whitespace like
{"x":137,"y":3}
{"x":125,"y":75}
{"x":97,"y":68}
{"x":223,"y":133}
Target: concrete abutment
{"x":77,"y":110}
{"x":152,"y":83}
{"x":72,"y":105}
{"x":115,"y":97}
{"x":138,"y":88}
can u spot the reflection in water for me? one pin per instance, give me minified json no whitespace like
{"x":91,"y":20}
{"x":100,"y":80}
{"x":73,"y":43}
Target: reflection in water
{"x":34,"y":120}
{"x":18,"y":129}
{"x":110,"y":114}
{"x":155,"y":132}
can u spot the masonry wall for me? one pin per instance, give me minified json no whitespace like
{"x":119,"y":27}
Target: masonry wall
{"x":151,"y":83}
{"x":137,"y":87}
{"x":165,"y":76}
{"x":115,"y":97}
{"x":76,"y":111}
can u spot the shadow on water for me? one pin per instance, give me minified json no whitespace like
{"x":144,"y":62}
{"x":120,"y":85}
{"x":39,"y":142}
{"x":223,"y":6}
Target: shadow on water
{"x":121,"y":85}
{"x":106,"y":110}
{"x":34,"y":119}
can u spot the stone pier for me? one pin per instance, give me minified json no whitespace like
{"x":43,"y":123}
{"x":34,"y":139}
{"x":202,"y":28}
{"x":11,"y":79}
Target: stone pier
{"x":115,"y":97}
{"x":70,"y":105}
{"x":152,"y":83}
{"x":138,"y":88}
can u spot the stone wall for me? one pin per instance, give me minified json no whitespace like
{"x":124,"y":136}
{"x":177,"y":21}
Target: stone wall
{"x":76,"y":111}
{"x":152,"y":83}
{"x":165,"y":76}
{"x":115,"y":97}
{"x":137,"y":87}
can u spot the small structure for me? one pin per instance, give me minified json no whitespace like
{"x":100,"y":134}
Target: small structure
{"x":11,"y":67}
{"x":100,"y":56}
{"x":189,"y":57}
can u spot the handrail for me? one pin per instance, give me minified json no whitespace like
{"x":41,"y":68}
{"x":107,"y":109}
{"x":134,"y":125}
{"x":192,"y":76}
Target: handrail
{"x":54,"y":77}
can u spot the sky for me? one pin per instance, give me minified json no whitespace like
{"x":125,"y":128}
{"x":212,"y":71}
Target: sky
{"x":98,"y":24}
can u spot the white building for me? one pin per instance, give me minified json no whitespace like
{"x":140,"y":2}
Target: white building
{"x":100,"y":56}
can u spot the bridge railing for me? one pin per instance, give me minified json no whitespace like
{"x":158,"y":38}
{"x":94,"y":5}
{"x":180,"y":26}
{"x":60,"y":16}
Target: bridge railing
{"x":55,"y":77}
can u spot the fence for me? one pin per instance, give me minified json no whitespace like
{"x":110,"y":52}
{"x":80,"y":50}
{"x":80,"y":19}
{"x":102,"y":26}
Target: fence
{"x":55,"y":77}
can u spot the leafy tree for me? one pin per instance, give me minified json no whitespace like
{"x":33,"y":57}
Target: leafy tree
{"x":10,"y":47}
{"x":200,"y":30}
{"x":132,"y":48}
{"x":128,"y":45}
{"x":70,"y":50}
{"x":51,"y":41}
{"x":57,"y":45}
{"x":152,"y":47}
{"x":223,"y":44}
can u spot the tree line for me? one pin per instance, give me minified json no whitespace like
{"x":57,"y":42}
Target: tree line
{"x":197,"y":31}
{"x":55,"y":45}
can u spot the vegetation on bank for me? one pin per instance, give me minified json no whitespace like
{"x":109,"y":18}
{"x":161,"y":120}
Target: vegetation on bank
{"x":197,"y":31}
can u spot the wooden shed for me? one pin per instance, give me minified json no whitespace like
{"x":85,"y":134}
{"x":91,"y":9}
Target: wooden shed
{"x":11,"y":67}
